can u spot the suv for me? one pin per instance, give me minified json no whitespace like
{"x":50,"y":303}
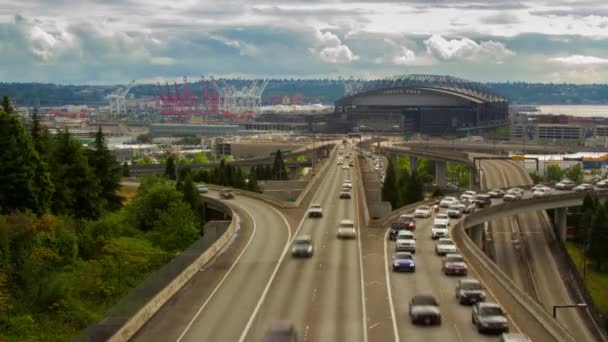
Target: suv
{"x":489,"y":317}
{"x":469,"y":291}
{"x":315,"y":210}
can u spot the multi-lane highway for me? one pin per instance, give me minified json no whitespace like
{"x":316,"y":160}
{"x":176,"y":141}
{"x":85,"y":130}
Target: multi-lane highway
{"x":531,"y":262}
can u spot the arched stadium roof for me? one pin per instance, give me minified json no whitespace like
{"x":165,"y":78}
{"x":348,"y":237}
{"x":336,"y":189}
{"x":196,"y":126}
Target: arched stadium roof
{"x":449,"y":84}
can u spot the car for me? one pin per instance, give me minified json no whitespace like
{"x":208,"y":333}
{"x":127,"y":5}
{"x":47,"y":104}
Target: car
{"x":345,"y":195}
{"x":455,"y":211}
{"x":513,"y":337}
{"x":565,"y":184}
{"x":466,"y":197}
{"x":496,"y":193}
{"x":538,"y":186}
{"x":346,"y":230}
{"x":281,"y":331}
{"x":454,"y":264}
{"x":440,"y":230}
{"x":423,"y":211}
{"x":509,"y":197}
{"x":489,"y":317}
{"x":469,"y":291}
{"x":345,"y":167}
{"x":424,"y":309}
{"x":347,"y":184}
{"x":405,"y":245}
{"x":469,"y":207}
{"x":404,"y":221}
{"x":441,"y":218}
{"x":584,"y":187}
{"x":405,"y":235}
{"x":404,"y":261}
{"x":315,"y":210}
{"x":447,"y":201}
{"x":516,"y":190}
{"x":445,"y":246}
{"x":351,"y":164}
{"x":602,"y":183}
{"x":302,"y":246}
{"x":482,"y":200}
{"x":202,"y":188}
{"x":470,"y":192}
{"x":541,"y":192}
{"x":226,"y":194}
{"x":340,"y":162}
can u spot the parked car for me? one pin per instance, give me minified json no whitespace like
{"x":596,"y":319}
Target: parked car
{"x":315,"y":210}
{"x":282,"y":331}
{"x":469,"y":291}
{"x":404,"y":221}
{"x":447,"y":201}
{"x":346,"y":230}
{"x":439,"y":231}
{"x":424,"y":309}
{"x":302,"y":246}
{"x":496,"y":193}
{"x":226,"y":194}
{"x":445,"y":246}
{"x":489,"y":317}
{"x":423,"y":211}
{"x":454,"y":264}
{"x":202,"y":188}
{"x":404,"y":261}
{"x":565,"y":184}
{"x":482,"y":201}
{"x":584,"y":187}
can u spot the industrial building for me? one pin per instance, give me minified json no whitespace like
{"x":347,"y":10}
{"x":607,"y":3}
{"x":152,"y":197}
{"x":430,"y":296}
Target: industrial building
{"x":560,"y":129}
{"x":428,"y":104}
{"x":194,"y":130}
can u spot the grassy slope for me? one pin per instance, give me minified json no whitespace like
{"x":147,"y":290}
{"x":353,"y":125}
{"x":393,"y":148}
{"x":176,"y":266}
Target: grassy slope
{"x":597,"y":282}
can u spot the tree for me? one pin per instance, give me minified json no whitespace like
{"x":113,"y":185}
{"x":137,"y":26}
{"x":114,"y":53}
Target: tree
{"x":426,"y":170}
{"x":25,"y":182}
{"x":175,"y":228}
{"x":535,"y":177}
{"x":170,"y":167}
{"x":389,"y":188}
{"x":599,"y":237}
{"x":200,"y":158}
{"x":403,"y":179}
{"x":278,"y":167}
{"x":7,"y":105}
{"x":584,"y":227}
{"x":153,"y":197}
{"x":107,"y":171}
{"x":125,"y":170}
{"x":414,"y":189}
{"x":554,"y":173}
{"x":77,"y":190}
{"x":252,"y":183}
{"x":193,"y":198}
{"x":575,"y":173}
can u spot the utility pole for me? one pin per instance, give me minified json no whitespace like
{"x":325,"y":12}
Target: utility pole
{"x":313,"y":154}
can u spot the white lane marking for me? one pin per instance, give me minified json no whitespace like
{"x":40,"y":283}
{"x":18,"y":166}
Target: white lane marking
{"x":360,"y":249}
{"x":388,"y":288}
{"x":374,"y":325}
{"x":274,"y":272}
{"x":238,"y":220}
{"x":458,"y":332}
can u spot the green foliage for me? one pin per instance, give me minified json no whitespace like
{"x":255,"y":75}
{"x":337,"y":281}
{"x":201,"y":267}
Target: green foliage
{"x":125,"y":170}
{"x":426,"y":170}
{"x":252,"y":183}
{"x":279,"y":170}
{"x":390,"y":191}
{"x":107,"y":171}
{"x":200,"y":158}
{"x":413,"y":189}
{"x":143,"y":139}
{"x":153,"y":198}
{"x":191,"y":140}
{"x":458,"y":173}
{"x":575,"y":173}
{"x":554,"y":173}
{"x":77,"y":190}
{"x":599,"y":237}
{"x":170,"y":167}
{"x":193,"y":198}
{"x":7,"y":105}
{"x":535,"y":177}
{"x":145,"y":160}
{"x":24,"y":178}
{"x":403,"y":163}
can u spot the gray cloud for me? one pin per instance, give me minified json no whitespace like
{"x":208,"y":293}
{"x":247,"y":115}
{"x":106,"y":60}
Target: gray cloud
{"x":501,"y":19}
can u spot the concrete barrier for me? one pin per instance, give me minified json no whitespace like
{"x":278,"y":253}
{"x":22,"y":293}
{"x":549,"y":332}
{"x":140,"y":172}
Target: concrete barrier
{"x":149,"y":309}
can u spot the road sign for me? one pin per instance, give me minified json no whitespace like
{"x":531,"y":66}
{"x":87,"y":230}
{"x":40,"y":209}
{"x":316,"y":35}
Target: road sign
{"x":518,"y":157}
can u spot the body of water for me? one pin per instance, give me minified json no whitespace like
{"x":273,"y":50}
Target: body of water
{"x":575,"y":110}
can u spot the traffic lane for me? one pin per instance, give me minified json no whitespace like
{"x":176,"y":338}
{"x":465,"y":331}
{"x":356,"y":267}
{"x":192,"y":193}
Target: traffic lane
{"x":237,"y":296}
{"x":549,"y":278}
{"x":429,"y":279}
{"x":305,"y":290}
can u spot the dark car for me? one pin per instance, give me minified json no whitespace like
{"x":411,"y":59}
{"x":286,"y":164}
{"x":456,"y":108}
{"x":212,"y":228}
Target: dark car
{"x":424,"y":309}
{"x":345,"y":195}
{"x":226,"y":194}
{"x":454,"y":264}
{"x":404,"y":261}
{"x":469,"y":291}
{"x":482,"y":200}
{"x":496,"y":193}
{"x":302,"y":246}
{"x":489,"y":317}
{"x":281,"y":331}
{"x":407,"y":222}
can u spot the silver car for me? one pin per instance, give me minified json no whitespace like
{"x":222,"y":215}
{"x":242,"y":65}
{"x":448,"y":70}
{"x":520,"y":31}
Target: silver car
{"x":346,"y":230}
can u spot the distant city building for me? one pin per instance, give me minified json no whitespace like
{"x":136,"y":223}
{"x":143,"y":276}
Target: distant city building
{"x":194,"y":130}
{"x":560,"y":129}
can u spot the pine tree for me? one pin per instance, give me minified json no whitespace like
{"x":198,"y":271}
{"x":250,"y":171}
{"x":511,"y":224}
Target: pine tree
{"x":107,"y":171}
{"x":599,"y":237}
{"x":7,"y":105}
{"x":278,"y":167}
{"x":403,"y":181}
{"x":125,"y":170}
{"x":170,"y":167}
{"x":252,"y":184}
{"x":414,"y":189}
{"x":25,"y":182}
{"x":389,"y":188}
{"x":77,"y":191}
{"x":193,"y":198}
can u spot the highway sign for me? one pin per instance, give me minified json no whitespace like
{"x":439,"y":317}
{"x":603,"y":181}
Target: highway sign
{"x":518,"y":157}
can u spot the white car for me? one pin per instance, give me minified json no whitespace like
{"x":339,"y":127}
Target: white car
{"x":346,"y":229}
{"x":447,"y":201}
{"x":405,"y":245}
{"x":345,"y":167}
{"x":602,"y":184}
{"x":315,"y":210}
{"x":347,"y":184}
{"x":566,"y":184}
{"x":470,"y":192}
{"x":541,"y":192}
{"x":455,"y":211}
{"x":584,"y":187}
{"x":442,"y":219}
{"x":510,"y":196}
{"x":405,"y":235}
{"x":439,"y":231}
{"x":538,"y":186}
{"x":445,"y":246}
{"x":467,"y":197}
{"x":423,"y":211}
{"x":202,"y":188}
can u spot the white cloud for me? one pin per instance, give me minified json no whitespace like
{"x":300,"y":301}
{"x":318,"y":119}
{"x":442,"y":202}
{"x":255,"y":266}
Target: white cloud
{"x":466,"y":49}
{"x":406,"y":57}
{"x":580,"y":60}
{"x":331,"y":49}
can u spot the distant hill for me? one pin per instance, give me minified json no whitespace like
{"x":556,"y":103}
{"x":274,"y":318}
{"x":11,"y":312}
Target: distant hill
{"x":310,"y":91}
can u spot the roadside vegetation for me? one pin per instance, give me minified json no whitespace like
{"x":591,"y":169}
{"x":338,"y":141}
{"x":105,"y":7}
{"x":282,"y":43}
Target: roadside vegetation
{"x":554,"y":173}
{"x":72,"y":243}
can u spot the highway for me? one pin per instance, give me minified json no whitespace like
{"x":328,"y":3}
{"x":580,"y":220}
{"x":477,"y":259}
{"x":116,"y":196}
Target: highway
{"x":217,"y":303}
{"x":533,"y":266}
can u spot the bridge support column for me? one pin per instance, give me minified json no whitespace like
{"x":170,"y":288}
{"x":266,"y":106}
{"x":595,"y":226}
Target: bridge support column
{"x":413,"y":163}
{"x":293,"y":173}
{"x":440,"y":173}
{"x":476,"y":234}
{"x":560,"y":222}
{"x":472,"y":179}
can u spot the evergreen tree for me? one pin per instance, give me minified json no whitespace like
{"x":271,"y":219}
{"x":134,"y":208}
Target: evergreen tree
{"x":252,"y":184}
{"x":25,"y":182}
{"x":268,"y":172}
{"x":238,"y":181}
{"x":278,"y":167}
{"x":170,"y":167}
{"x":7,"y":105}
{"x":193,"y":198}
{"x":599,"y":237}
{"x":107,"y":171}
{"x":389,"y":188}
{"x":125,"y":170}
{"x":584,"y":226}
{"x":77,"y":191}
{"x":403,"y":179}
{"x":414,"y":189}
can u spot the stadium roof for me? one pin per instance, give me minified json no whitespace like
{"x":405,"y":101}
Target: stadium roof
{"x":457,"y":86}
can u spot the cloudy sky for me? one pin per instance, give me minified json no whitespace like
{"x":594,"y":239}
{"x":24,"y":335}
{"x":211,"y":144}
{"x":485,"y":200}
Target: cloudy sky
{"x":113,"y":41}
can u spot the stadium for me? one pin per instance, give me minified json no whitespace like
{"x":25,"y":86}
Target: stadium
{"x":428,"y":104}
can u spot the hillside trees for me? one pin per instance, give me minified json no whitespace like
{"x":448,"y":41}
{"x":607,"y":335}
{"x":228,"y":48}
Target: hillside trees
{"x":107,"y":171}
